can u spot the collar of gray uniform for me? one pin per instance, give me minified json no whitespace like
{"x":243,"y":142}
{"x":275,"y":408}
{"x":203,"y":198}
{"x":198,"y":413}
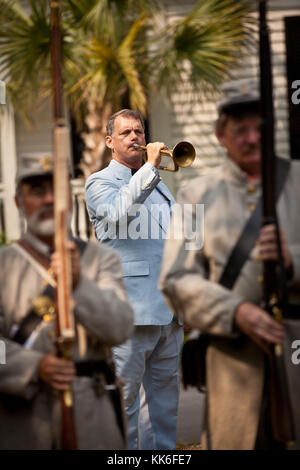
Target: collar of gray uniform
{"x":40,"y":246}
{"x":37,"y":244}
{"x":235,"y":174}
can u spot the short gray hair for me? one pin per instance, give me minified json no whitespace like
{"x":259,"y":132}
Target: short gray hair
{"x":126,"y":113}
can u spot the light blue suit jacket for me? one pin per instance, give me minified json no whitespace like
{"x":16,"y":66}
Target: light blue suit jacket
{"x":132,"y":214}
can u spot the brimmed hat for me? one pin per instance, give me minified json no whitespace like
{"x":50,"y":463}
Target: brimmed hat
{"x":34,"y":164}
{"x":237,"y":93}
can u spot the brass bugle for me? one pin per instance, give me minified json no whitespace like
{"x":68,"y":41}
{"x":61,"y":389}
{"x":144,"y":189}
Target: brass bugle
{"x":183,"y":155}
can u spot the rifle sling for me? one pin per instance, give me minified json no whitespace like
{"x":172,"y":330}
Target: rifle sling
{"x":250,"y":233}
{"x":194,"y":350}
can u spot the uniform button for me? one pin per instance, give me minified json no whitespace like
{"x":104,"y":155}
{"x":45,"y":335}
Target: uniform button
{"x":251,"y":188}
{"x":251,"y":207}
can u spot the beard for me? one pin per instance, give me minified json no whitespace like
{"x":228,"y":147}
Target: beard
{"x":38,"y":226}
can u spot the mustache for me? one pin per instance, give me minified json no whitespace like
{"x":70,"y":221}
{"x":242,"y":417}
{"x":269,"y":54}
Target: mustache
{"x":250,"y":147}
{"x":45,"y":211}
{"x":37,"y":217}
{"x":39,"y":226}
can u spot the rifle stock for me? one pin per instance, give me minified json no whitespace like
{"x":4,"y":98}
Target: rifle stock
{"x":65,"y":330}
{"x":274,"y":291}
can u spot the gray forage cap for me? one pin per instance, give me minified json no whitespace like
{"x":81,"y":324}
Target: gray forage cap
{"x":34,"y":164}
{"x":237,"y":93}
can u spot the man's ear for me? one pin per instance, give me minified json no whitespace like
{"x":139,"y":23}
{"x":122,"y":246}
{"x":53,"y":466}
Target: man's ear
{"x":220,"y":136}
{"x":17,"y":201}
{"x":108,"y":140}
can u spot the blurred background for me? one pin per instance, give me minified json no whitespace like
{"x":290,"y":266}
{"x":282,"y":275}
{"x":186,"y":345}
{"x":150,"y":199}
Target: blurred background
{"x":168,"y":59}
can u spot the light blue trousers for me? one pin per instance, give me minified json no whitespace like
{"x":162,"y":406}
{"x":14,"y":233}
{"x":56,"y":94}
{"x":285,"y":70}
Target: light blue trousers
{"x":149,"y":363}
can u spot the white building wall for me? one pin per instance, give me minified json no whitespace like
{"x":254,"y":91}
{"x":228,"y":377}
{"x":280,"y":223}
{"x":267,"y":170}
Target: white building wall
{"x":8,"y":171}
{"x":185,"y":119}
{"x":36,"y":137}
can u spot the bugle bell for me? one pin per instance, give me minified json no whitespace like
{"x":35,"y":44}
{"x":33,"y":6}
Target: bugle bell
{"x":183,"y":155}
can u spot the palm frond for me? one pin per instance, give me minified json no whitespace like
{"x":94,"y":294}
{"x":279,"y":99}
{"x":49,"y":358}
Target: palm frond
{"x":108,"y":53}
{"x":203,"y":46}
{"x":24,"y":43}
{"x":127,"y":63}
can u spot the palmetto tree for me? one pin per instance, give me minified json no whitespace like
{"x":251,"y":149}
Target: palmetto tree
{"x":116,"y":52}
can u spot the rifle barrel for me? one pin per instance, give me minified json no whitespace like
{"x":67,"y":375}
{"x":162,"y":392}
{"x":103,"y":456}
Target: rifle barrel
{"x":281,"y":412}
{"x":64,"y":310}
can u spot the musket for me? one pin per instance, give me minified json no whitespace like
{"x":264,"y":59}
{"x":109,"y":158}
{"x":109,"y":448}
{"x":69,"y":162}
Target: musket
{"x":274,"y":285}
{"x":65,"y":330}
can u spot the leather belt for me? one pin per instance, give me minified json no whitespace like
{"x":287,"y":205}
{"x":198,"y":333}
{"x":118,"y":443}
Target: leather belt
{"x":91,"y":368}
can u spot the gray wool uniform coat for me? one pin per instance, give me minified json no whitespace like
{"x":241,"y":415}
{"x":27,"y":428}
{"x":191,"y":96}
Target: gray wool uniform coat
{"x":29,"y":409}
{"x":189,"y":280}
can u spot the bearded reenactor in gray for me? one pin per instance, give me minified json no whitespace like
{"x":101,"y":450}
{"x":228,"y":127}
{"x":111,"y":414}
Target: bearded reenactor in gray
{"x":33,"y":377}
{"x":239,"y":330}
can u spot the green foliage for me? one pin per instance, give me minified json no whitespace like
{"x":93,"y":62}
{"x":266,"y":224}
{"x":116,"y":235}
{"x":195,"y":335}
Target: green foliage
{"x":118,"y":48}
{"x":24,"y":49}
{"x":203,"y":47}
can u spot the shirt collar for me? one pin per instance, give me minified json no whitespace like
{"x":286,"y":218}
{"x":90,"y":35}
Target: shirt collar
{"x":235,"y":174}
{"x":123,"y":170}
{"x":37,"y":244}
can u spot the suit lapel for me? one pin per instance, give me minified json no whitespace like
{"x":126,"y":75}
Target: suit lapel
{"x":159,"y":203}
{"x":165,"y":193}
